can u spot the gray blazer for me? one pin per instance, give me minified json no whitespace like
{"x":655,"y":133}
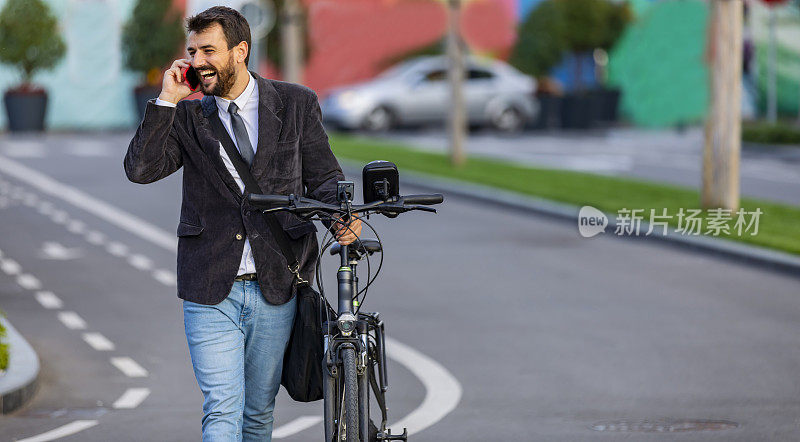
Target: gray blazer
{"x":293,"y":156}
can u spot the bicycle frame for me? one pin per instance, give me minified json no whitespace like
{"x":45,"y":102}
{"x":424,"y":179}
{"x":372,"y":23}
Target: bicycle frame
{"x":371,"y":361}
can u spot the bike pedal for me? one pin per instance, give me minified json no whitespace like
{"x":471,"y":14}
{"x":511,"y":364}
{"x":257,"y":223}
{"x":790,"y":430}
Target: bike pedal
{"x":389,"y":436}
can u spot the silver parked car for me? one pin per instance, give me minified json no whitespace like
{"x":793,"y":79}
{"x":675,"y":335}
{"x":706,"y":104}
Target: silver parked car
{"x":417,"y":92}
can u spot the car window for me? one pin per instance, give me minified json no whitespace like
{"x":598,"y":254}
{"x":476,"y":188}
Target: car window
{"x":479,"y":74}
{"x":437,"y":75}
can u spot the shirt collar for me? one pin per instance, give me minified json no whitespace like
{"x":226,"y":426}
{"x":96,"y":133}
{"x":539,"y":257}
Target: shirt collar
{"x":242,"y":99}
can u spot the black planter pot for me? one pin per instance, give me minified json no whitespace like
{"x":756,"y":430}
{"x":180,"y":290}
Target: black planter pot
{"x":606,"y":104}
{"x":142,"y":94}
{"x":25,"y":110}
{"x":577,"y":111}
{"x":549,"y":112}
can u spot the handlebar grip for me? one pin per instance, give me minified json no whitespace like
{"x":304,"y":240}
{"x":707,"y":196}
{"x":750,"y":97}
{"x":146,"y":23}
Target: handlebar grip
{"x":269,"y":201}
{"x":427,"y":200}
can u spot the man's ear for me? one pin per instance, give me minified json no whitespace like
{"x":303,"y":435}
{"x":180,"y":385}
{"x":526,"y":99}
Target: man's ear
{"x":241,"y":51}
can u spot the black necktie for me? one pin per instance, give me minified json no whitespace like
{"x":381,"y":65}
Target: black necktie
{"x":240,"y":132}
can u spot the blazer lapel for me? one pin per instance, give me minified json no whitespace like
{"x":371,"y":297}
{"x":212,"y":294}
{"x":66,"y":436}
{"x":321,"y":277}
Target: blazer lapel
{"x":269,"y":124}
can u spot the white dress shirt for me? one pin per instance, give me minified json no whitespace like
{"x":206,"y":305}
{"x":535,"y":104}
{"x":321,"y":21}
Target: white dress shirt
{"x":248,"y":110}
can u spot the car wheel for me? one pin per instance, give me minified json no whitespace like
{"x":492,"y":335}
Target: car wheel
{"x":508,"y":120}
{"x":379,"y":119}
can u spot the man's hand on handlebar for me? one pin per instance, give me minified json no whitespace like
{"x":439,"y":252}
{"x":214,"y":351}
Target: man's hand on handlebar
{"x":347,"y":235}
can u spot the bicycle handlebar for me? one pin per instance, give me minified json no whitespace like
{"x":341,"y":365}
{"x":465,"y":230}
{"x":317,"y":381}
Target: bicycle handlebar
{"x":423,"y":199}
{"x":269,"y":200}
{"x":297,"y":204}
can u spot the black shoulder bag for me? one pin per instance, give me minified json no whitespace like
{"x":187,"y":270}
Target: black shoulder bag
{"x":302,"y":362}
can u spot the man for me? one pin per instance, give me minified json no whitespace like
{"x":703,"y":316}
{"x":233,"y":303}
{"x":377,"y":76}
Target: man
{"x":238,"y":291}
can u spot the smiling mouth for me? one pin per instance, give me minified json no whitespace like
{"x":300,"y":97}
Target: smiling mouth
{"x":207,"y":75}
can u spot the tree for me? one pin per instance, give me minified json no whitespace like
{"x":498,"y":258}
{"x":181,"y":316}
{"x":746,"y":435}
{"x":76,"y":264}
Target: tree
{"x":617,"y":18}
{"x":151,"y":38}
{"x":29,"y":38}
{"x":592,"y":24}
{"x":541,"y":40}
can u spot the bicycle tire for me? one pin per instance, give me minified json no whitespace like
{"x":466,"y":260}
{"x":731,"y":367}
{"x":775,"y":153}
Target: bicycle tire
{"x":350,"y":394}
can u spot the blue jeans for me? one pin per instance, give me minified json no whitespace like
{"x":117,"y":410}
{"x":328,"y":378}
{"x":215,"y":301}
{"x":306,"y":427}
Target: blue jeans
{"x":237,"y":351}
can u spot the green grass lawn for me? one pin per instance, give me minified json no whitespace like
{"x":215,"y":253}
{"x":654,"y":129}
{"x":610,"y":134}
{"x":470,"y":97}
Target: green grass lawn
{"x":763,"y":132}
{"x":3,"y":348}
{"x":779,"y":224}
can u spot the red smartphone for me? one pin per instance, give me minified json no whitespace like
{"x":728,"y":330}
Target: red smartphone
{"x":191,"y":78}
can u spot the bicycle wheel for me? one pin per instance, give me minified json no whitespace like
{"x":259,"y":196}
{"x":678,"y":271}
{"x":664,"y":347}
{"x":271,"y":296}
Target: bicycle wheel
{"x":350,"y":395}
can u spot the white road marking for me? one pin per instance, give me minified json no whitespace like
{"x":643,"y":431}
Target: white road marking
{"x":29,"y":282}
{"x":296,"y":426}
{"x":98,"y":342}
{"x":129,"y":367}
{"x":24,"y":149}
{"x":76,"y":227}
{"x":95,"y":237}
{"x":46,"y":208}
{"x":88,"y":150}
{"x":86,"y":202}
{"x":56,"y":251}
{"x":443,"y":391}
{"x":30,"y":199}
{"x":140,"y":262}
{"x":49,"y":300}
{"x":71,"y":320}
{"x":117,"y":249}
{"x":132,"y":398}
{"x":62,"y":431}
{"x":59,"y":217}
{"x":9,"y":266}
{"x":165,"y":277}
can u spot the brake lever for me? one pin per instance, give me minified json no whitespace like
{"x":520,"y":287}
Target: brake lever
{"x":423,"y":208}
{"x":276,"y":209}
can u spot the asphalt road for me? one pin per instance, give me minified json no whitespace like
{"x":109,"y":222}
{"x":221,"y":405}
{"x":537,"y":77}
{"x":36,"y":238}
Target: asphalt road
{"x":550,"y":336}
{"x":669,"y":156}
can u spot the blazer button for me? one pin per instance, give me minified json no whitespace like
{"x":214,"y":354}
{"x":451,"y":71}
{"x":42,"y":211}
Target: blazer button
{"x":239,"y":236}
{"x":246,"y":213}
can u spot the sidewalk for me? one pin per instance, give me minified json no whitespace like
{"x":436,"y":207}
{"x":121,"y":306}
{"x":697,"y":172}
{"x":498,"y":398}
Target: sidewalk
{"x":669,"y":156}
{"x":20,"y":381}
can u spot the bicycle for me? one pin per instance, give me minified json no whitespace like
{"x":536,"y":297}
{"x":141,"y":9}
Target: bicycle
{"x":354,"y":341}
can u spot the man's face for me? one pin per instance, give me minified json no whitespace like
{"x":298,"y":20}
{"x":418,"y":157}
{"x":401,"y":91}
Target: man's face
{"x":212,"y":59}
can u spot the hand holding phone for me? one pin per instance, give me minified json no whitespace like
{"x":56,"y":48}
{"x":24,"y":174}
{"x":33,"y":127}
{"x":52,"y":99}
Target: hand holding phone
{"x":175,"y":87}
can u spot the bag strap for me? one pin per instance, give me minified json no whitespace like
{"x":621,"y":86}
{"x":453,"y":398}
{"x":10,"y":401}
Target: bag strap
{"x":251,"y":186}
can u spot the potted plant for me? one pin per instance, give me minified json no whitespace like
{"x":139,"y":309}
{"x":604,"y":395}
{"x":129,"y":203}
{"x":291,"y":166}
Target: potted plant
{"x":30,"y":40}
{"x":540,"y":46}
{"x":585,"y":24}
{"x":150,"y":41}
{"x":617,"y":18}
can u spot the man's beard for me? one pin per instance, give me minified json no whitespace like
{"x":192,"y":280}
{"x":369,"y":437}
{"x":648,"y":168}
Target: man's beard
{"x":226,"y":77}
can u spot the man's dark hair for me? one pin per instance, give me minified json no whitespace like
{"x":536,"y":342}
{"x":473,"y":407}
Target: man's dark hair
{"x":234,"y":25}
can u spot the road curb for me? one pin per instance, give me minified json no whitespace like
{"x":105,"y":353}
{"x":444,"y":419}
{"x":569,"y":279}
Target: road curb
{"x":732,"y":250}
{"x":20,"y":381}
